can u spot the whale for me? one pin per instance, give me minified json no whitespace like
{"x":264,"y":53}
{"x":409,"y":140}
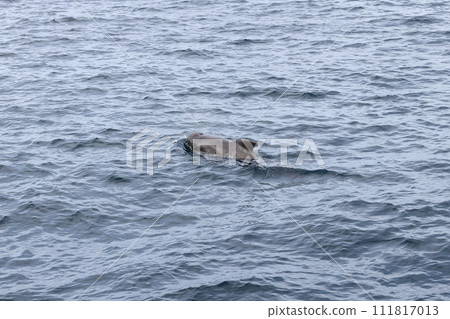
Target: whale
{"x":222,"y":148}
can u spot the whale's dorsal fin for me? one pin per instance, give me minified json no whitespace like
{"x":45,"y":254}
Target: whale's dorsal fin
{"x":246,"y":143}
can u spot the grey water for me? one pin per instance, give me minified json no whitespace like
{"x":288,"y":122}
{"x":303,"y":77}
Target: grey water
{"x":376,"y":104}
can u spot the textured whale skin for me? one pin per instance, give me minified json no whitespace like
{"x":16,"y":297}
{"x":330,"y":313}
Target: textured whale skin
{"x":240,"y":149}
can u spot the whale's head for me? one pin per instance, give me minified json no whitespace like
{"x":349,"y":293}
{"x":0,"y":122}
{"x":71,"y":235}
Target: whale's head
{"x":192,"y":136}
{"x":240,"y":149}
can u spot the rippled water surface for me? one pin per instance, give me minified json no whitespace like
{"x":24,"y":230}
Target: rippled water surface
{"x":376,"y":104}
